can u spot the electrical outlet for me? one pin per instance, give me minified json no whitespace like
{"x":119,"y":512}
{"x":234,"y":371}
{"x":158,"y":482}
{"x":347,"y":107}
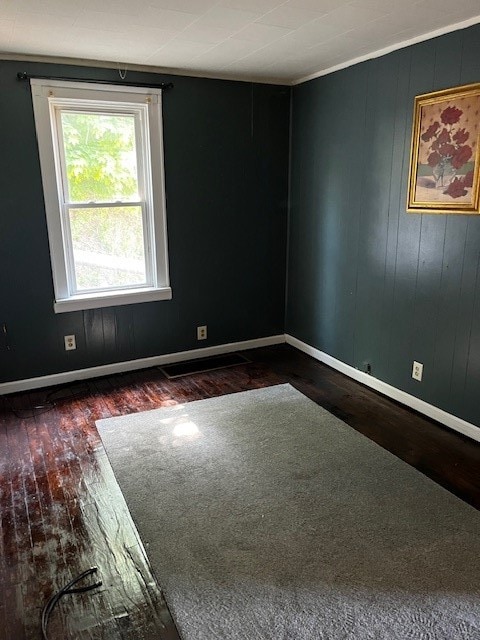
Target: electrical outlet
{"x":417,"y":371}
{"x":70,"y":343}
{"x":202,"y":332}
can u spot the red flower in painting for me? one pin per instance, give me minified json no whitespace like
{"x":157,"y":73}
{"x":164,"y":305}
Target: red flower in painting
{"x":461,"y":156}
{"x":468,"y":180}
{"x":456,"y":188}
{"x":450,"y":115}
{"x":447,"y":150}
{"x":430,"y":132}
{"x":461,"y":136}
{"x":434,"y":158}
{"x":443,"y":138}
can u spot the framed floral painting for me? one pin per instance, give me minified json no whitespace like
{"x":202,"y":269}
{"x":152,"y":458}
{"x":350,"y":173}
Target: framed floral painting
{"x":445,"y":153}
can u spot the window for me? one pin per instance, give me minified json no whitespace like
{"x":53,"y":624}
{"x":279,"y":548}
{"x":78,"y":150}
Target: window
{"x":101,"y":157}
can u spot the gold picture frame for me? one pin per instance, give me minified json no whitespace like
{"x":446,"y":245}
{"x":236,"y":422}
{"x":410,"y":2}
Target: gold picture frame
{"x":445,"y":153}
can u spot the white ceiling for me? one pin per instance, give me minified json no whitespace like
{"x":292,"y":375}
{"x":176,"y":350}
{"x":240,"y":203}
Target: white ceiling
{"x":265,"y":40}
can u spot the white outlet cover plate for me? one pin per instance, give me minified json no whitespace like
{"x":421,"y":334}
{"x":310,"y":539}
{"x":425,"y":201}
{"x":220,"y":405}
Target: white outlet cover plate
{"x":202,"y":332}
{"x":417,"y":371}
{"x":70,"y":343}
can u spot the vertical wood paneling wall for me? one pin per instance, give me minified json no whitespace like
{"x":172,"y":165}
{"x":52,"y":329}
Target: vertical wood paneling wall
{"x":367,"y":282}
{"x":226,"y":166}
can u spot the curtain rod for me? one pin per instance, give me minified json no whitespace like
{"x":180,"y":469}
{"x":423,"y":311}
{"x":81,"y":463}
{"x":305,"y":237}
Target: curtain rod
{"x":23,"y":75}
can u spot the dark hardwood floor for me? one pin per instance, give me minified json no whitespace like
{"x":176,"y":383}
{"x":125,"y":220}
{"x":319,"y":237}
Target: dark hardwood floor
{"x":62,"y":512}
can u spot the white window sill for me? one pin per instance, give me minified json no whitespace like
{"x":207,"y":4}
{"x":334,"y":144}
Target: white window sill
{"x":114,"y":299}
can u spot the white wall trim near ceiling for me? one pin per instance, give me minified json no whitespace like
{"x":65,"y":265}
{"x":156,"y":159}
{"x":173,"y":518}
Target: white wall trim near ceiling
{"x":133,"y":67}
{"x":394,"y":47}
{"x":131,"y":365}
{"x":447,"y":419}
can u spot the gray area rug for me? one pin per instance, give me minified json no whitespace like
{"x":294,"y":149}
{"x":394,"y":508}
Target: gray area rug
{"x":265,"y":517}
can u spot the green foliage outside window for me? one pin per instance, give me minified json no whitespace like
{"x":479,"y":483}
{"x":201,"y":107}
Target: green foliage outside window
{"x":100,"y":156}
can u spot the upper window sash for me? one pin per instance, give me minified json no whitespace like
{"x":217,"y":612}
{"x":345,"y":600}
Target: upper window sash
{"x":142,"y":141}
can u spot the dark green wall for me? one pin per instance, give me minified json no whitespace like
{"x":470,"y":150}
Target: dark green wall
{"x":226,"y":165}
{"x":367,"y":282}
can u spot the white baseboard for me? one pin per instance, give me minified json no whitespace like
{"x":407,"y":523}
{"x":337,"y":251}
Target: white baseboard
{"x":427,"y":409}
{"x":131,"y":365}
{"x":447,"y":419}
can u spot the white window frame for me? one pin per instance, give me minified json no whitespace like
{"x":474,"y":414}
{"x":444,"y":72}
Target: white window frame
{"x":146,"y":105}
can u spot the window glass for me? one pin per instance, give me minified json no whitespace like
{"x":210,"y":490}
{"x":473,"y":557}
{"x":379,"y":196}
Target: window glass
{"x":108,"y":247}
{"x":100,"y":156}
